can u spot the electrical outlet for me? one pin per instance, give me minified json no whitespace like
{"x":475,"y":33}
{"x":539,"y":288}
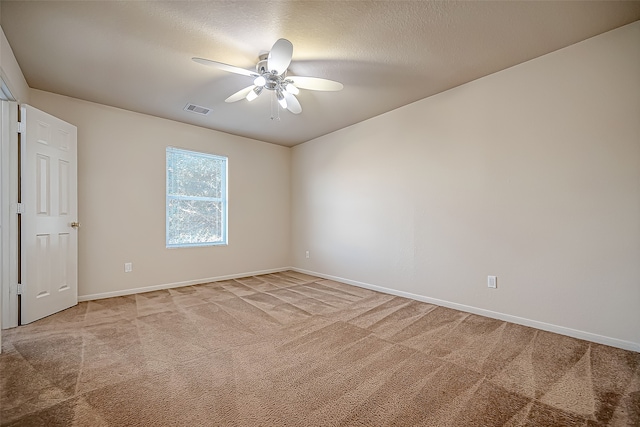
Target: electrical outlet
{"x":128,"y":267}
{"x":307,"y":254}
{"x":492,"y":282}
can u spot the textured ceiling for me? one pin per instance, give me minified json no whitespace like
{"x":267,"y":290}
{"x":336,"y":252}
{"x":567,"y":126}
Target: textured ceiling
{"x":137,"y":55}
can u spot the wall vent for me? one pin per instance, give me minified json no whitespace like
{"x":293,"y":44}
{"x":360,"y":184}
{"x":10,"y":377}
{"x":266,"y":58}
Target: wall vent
{"x":197,"y":109}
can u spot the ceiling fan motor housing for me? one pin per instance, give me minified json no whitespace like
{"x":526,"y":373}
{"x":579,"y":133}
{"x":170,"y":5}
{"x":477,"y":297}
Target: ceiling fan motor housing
{"x":273,"y":80}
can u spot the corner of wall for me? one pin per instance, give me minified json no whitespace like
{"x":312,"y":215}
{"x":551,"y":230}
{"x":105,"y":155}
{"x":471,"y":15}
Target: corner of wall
{"x":10,"y":71}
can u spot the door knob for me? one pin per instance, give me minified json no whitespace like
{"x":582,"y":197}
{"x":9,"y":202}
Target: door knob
{"x":75,"y":224}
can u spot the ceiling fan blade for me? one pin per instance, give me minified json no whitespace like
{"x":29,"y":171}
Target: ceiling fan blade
{"x":241,"y":94}
{"x":225,"y":67}
{"x":315,"y":83}
{"x":293,"y":104}
{"x":280,"y":56}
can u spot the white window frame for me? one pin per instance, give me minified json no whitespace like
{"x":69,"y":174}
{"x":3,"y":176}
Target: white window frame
{"x":223,"y":199}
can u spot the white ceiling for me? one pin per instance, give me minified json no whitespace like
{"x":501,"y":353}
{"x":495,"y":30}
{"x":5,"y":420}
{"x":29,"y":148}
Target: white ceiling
{"x":137,"y":55}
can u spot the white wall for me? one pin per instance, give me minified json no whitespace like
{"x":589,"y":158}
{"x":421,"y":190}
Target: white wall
{"x":121,"y":199}
{"x":531,"y":174}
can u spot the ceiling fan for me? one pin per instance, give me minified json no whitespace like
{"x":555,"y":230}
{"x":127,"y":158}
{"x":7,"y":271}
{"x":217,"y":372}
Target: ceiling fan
{"x":271,"y":74}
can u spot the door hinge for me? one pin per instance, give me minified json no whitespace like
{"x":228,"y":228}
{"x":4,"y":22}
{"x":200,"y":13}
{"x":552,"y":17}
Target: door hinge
{"x":20,"y":127}
{"x":19,"y":289}
{"x":19,"y":208}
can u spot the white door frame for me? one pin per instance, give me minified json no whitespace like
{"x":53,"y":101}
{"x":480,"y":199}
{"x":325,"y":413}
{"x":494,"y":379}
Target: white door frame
{"x":8,"y":208}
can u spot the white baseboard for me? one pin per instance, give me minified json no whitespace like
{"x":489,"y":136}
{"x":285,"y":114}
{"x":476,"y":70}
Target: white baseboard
{"x":587,"y":336}
{"x":132,"y":291}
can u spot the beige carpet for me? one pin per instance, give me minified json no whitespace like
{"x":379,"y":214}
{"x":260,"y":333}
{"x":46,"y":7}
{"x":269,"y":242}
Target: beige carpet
{"x":289,"y":349}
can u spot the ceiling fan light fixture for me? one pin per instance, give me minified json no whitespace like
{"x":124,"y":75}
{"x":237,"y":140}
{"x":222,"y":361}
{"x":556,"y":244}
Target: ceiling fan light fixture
{"x":291,"y":89}
{"x":281,"y":100}
{"x":254,"y":93}
{"x":260,"y":81}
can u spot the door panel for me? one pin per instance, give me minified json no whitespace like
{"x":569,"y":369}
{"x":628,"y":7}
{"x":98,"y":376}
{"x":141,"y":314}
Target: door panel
{"x":49,"y":199}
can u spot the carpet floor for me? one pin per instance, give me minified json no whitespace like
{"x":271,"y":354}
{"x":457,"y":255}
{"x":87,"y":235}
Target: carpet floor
{"x":288,"y":349}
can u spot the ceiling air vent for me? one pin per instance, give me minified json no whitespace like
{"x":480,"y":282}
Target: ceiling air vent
{"x":197,"y":109}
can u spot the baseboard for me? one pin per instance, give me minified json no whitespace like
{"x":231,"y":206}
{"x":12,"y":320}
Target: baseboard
{"x":587,"y":336}
{"x":133,"y":291}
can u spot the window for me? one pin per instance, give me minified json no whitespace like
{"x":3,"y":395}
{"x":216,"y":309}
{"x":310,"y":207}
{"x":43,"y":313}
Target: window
{"x":196,"y":198}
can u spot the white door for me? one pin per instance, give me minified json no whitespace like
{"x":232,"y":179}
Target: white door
{"x":49,"y":232}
